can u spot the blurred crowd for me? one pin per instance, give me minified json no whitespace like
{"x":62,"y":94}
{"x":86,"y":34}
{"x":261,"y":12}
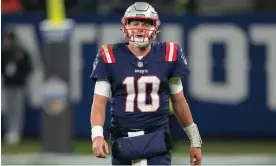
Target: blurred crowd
{"x":175,"y":7}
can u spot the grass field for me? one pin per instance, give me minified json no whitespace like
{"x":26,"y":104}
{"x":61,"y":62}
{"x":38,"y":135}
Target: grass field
{"x":209,"y":147}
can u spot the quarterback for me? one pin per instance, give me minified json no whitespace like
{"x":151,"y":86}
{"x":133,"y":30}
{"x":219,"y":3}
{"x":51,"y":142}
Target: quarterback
{"x":138,"y":78}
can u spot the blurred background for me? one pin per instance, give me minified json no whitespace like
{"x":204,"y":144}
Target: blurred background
{"x":46,"y":93}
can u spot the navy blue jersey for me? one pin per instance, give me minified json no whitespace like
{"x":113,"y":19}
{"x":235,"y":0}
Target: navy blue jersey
{"x":140,"y":88}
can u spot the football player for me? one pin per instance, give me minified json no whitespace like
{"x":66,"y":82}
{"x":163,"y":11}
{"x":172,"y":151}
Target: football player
{"x":139,"y":77}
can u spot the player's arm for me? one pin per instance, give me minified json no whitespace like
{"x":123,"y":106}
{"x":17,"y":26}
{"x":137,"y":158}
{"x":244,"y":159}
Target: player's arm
{"x":179,"y":102}
{"x":101,"y":95}
{"x":183,"y":112}
{"x":180,"y":105}
{"x":97,"y":117}
{"x":101,"y":75}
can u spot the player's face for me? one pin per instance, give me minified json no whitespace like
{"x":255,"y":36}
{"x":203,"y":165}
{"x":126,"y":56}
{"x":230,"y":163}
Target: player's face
{"x":140,"y":28}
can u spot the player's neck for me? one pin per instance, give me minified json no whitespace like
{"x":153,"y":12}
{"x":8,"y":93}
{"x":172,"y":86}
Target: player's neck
{"x":139,"y":51}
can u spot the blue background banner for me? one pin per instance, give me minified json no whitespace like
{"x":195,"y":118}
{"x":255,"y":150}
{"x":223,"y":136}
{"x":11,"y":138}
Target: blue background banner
{"x":232,"y":88}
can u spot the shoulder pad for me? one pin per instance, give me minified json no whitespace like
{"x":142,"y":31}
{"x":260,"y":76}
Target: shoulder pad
{"x":171,"y":49}
{"x":107,"y":53}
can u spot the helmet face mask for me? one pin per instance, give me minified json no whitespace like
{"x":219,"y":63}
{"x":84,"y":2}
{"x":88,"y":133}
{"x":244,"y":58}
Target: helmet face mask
{"x":140,"y":24}
{"x":140,"y":31}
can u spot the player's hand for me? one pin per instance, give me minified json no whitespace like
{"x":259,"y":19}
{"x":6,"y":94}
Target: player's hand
{"x":99,"y":144}
{"x":195,"y":156}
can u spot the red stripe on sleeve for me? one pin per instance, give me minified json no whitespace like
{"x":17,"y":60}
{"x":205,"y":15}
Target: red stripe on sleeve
{"x":111,"y":54}
{"x":103,"y":55}
{"x":167,"y":51}
{"x":175,"y":52}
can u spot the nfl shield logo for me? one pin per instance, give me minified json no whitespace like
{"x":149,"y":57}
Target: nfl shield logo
{"x":140,"y":64}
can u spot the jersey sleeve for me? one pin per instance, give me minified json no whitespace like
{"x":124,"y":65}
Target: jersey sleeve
{"x":100,"y":69}
{"x":102,"y":87}
{"x":175,"y":84}
{"x":181,"y":65}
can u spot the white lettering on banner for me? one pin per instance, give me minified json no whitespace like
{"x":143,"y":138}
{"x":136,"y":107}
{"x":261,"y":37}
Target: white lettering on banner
{"x":172,"y":32}
{"x":201,"y":86}
{"x":266,"y":35}
{"x":27,"y":36}
{"x":110,"y":33}
{"x":84,"y":33}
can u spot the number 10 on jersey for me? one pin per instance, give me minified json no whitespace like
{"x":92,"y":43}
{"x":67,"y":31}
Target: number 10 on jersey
{"x":139,"y":97}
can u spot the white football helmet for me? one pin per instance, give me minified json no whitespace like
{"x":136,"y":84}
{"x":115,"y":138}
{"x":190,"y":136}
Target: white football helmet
{"x":140,"y":11}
